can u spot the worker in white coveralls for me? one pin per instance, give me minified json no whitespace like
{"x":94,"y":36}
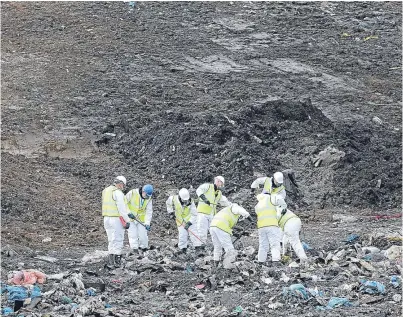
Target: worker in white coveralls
{"x":210,"y":196}
{"x":268,"y":229}
{"x":182,"y":208}
{"x":221,"y":231}
{"x":290,"y":224}
{"x":114,"y":205}
{"x":271,"y":185}
{"x":140,"y":212}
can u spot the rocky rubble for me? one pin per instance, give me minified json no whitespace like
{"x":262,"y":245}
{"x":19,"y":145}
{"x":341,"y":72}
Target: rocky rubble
{"x":348,"y":280}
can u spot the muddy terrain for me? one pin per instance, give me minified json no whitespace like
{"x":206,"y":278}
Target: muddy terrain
{"x":174,"y":93}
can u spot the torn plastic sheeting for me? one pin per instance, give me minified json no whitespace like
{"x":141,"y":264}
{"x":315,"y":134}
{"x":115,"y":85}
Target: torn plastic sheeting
{"x":296,"y":290}
{"x":338,"y":302}
{"x":6,"y":311}
{"x":352,"y":238}
{"x":395,"y":280}
{"x":372,"y":287}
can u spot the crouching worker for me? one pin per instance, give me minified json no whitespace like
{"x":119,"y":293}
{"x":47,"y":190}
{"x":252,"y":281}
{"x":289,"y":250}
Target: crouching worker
{"x":221,"y":231}
{"x":182,"y":208}
{"x":141,"y":211}
{"x":290,"y":224}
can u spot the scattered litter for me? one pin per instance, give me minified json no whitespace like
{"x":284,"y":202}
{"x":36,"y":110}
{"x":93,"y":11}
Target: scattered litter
{"x":397,"y":298}
{"x":335,"y":302}
{"x":353,"y":238}
{"x":395,"y":280}
{"x":94,"y":257}
{"x":370,"y":37}
{"x":394,"y":252}
{"x":47,"y":259}
{"x":48,"y":239}
{"x":372,"y":287}
{"x":6,"y":311}
{"x":91,"y":292}
{"x":306,"y":246}
{"x":275,"y":305}
{"x":200,"y":286}
{"x":266,"y":280}
{"x":26,"y":277}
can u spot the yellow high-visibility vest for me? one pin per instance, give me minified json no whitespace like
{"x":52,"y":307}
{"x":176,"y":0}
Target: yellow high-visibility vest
{"x":138,"y":205}
{"x":266,"y":212}
{"x":225,"y":219}
{"x":213,"y":197}
{"x":288,"y":215}
{"x":268,"y":188}
{"x":182,"y":213}
{"x":109,"y":207}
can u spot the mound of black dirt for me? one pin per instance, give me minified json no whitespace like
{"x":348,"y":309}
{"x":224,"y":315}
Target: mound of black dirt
{"x":189,"y":148}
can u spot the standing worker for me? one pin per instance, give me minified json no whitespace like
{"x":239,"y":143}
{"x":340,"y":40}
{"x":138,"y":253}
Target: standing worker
{"x":141,"y":211}
{"x":221,"y":231}
{"x":290,"y":224}
{"x":271,"y":185}
{"x":209,"y":196}
{"x":182,"y":208}
{"x":114,"y":205}
{"x":269,"y":231}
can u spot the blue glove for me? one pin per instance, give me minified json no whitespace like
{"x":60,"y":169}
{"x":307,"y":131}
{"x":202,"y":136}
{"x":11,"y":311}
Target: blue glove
{"x":188,"y":224}
{"x":127,"y":225}
{"x":148,"y":227}
{"x":131,"y":216}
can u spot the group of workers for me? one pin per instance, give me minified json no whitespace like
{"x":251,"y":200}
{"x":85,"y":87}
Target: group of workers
{"x":133,"y":212}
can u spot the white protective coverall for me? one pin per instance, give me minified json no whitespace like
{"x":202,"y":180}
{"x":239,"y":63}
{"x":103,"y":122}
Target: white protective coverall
{"x":270,"y":235}
{"x":290,"y":231}
{"x":222,"y":239}
{"x":137,"y":233}
{"x":113,"y":227}
{"x":203,"y":220}
{"x":184,"y":234}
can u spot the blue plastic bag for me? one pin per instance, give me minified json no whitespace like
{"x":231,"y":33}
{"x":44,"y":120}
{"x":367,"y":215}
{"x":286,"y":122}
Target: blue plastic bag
{"x":296,"y":290}
{"x":372,"y":287}
{"x":7,"y":311}
{"x":306,"y":246}
{"x":90,"y":292}
{"x":337,"y":302}
{"x":352,"y":238}
{"x":17,"y":293}
{"x":395,"y":281}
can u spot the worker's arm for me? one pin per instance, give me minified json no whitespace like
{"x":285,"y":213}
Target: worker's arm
{"x":241,"y":212}
{"x":282,"y":194}
{"x":202,"y":189}
{"x":129,"y":195}
{"x":149,"y":213}
{"x":118,"y":196}
{"x":193,"y":212}
{"x":257,"y":182}
{"x":224,"y":201}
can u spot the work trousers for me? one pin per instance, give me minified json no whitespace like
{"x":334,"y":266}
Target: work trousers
{"x":185,"y":235}
{"x":222,"y":240}
{"x":269,"y":236}
{"x":291,"y":234}
{"x":203,"y":225}
{"x":137,"y":235}
{"x":115,"y":232}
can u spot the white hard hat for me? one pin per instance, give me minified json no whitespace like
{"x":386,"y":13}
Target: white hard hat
{"x":121,"y":179}
{"x":221,"y":179}
{"x":184,"y":194}
{"x":278,"y":177}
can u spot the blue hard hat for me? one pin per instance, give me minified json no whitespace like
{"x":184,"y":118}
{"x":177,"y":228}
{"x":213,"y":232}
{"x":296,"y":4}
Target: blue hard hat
{"x":148,"y":189}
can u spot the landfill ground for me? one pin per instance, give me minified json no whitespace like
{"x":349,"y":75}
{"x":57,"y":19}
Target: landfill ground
{"x":174,"y":93}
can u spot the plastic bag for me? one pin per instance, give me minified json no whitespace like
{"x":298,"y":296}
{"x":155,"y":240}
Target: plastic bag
{"x":372,"y":287}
